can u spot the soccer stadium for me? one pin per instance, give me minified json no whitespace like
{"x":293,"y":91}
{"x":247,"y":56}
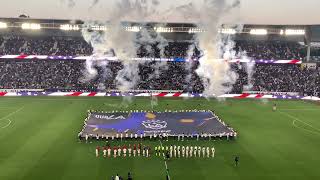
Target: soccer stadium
{"x":151,"y":90}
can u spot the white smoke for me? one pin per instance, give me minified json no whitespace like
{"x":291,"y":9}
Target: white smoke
{"x":128,"y":77}
{"x":250,"y":69}
{"x":188,"y":67}
{"x":154,"y":101}
{"x":216,"y":74}
{"x":125,"y":45}
{"x":69,"y":3}
{"x":93,"y":3}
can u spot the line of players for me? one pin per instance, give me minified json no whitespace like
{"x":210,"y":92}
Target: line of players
{"x":184,"y":151}
{"x":180,"y":137}
{"x":118,"y":151}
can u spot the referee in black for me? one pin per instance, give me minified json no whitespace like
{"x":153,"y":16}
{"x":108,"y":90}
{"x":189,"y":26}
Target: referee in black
{"x":236,"y":160}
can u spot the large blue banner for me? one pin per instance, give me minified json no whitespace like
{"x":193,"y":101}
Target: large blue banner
{"x":173,"y":123}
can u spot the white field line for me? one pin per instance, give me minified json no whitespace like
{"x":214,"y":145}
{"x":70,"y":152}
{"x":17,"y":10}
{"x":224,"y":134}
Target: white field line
{"x":165,"y":162}
{"x":311,"y":109}
{"x":7,"y":116}
{"x":313,"y":132}
{"x":12,"y":113}
{"x":7,"y":125}
{"x":297,"y":119}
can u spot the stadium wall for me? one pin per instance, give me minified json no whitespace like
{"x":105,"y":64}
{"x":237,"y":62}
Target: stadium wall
{"x":154,"y":94}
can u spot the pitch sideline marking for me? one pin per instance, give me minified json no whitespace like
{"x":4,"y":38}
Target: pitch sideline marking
{"x":165,"y":162}
{"x":293,"y":124}
{"x":297,"y":119}
{"x":7,"y":124}
{"x":300,"y":109}
{"x":10,"y":114}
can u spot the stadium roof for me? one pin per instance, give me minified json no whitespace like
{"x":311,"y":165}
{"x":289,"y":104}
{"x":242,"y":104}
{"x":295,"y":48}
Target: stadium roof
{"x":251,"y":11}
{"x":312,"y":30}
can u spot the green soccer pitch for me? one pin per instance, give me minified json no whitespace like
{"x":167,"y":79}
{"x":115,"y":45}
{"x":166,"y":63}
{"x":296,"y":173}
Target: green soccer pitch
{"x":38,"y":141}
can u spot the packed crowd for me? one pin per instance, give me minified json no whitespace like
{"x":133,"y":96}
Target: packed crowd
{"x":287,"y":78}
{"x":70,"y":46}
{"x":69,"y":74}
{"x":271,"y":50}
{"x":63,"y":46}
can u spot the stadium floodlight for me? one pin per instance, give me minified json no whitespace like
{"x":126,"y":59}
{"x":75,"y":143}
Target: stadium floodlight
{"x":195,"y":30}
{"x":133,"y":28}
{"x":163,"y":29}
{"x":3,"y":25}
{"x":227,"y":31}
{"x":32,"y":26}
{"x":69,"y":27}
{"x":99,"y":28}
{"x":295,"y":32}
{"x":281,"y":32}
{"x":258,"y":31}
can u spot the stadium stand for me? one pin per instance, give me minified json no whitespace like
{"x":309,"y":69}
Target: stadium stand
{"x":68,"y":74}
{"x":271,"y":49}
{"x":65,"y":75}
{"x":71,"y":46}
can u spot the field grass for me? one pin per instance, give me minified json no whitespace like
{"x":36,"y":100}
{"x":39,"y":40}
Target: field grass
{"x":38,"y":140}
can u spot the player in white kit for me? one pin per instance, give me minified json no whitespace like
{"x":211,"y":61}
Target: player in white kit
{"x":212,"y":151}
{"x":203,"y":151}
{"x":109,"y":151}
{"x":147,"y":151}
{"x":97,"y":151}
{"x":119,"y":151}
{"x":191,"y":151}
{"x":199,"y":151}
{"x":129,"y":150}
{"x":134,"y":150}
{"x":175,"y":150}
{"x":183,"y":151}
{"x":87,"y":137}
{"x":138,"y":151}
{"x":115,"y":152}
{"x":195,"y":151}
{"x":144,"y":148}
{"x":187,"y":151}
{"x":171,"y":151}
{"x":104,"y":151}
{"x":124,"y":151}
{"x":178,"y":149}
{"x":208,"y":152}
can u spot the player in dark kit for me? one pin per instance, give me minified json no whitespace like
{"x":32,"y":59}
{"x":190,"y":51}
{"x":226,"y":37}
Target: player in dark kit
{"x":236,"y":160}
{"x":167,"y":155}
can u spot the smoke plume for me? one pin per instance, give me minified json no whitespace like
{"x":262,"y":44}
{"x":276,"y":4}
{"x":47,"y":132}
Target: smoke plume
{"x":125,"y":45}
{"x":215,"y":73}
{"x":217,"y":77}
